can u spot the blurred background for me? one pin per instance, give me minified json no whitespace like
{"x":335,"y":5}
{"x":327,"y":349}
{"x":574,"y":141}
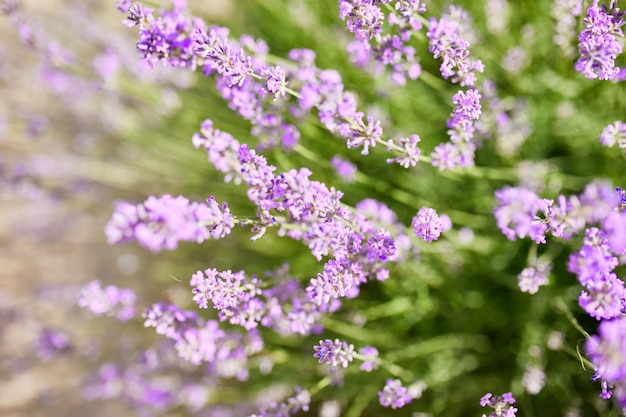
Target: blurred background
{"x":83,"y":123}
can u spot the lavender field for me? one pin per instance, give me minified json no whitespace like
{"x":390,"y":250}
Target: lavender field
{"x":312,"y":207}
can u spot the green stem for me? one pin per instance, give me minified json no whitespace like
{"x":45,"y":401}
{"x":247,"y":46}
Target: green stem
{"x":562,"y":307}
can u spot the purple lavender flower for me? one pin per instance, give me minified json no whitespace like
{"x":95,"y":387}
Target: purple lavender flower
{"x":411,"y":154}
{"x":275,"y":83}
{"x":169,"y":320}
{"x":614,"y":133}
{"x":51,"y":343}
{"x":370,"y":360}
{"x":292,"y":405}
{"x":445,"y":37}
{"x":598,"y":42}
{"x":531,"y":278}
{"x":232,"y":294}
{"x":394,"y":395}
{"x":615,"y":228}
{"x":108,"y":301}
{"x":334,"y":353}
{"x":516,"y":214}
{"x":346,"y":169}
{"x":339,"y":279}
{"x":428,"y":225}
{"x":607,"y":352}
{"x":160,"y":223}
{"x":460,"y":152}
{"x":604,"y":297}
{"x":593,"y":259}
{"x":501,"y":404}
{"x":364,"y":17}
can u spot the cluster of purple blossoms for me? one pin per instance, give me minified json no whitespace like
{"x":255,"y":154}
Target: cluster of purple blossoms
{"x":446,"y":40}
{"x":501,"y":404}
{"x":337,"y":353}
{"x":370,"y":358}
{"x":533,"y":277}
{"x":604,"y":294}
{"x":199,"y":341}
{"x":160,"y":223}
{"x":51,"y":343}
{"x":593,"y":264}
{"x":291,"y":405}
{"x":345,"y":169}
{"x":241,"y":301}
{"x":411,"y":154}
{"x":364,"y":17}
{"x":388,"y":50}
{"x":246,"y":82}
{"x":108,"y":301}
{"x":517,"y":214}
{"x":607,"y":352}
{"x":459,"y":152}
{"x":614,"y":133}
{"x":598,"y":42}
{"x":165,"y":38}
{"x":227,"y":291}
{"x":309,"y":211}
{"x":175,"y":39}
{"x":394,"y":395}
{"x":428,"y":225}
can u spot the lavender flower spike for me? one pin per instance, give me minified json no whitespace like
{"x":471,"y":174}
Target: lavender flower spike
{"x":160,"y":223}
{"x":108,"y":301}
{"x":598,"y":42}
{"x":334,"y":353}
{"x":394,"y":395}
{"x":501,"y":404}
{"x":428,"y":225}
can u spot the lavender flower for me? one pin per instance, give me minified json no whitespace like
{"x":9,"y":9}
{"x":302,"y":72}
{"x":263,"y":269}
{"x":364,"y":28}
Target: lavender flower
{"x":593,"y":259}
{"x":614,"y":133}
{"x":51,"y":343}
{"x":516,"y":214}
{"x":345,"y":168}
{"x":531,"y":278}
{"x":428,"y":225}
{"x":292,"y":405}
{"x":599,"y":44}
{"x":370,"y":360}
{"x":233,"y":295}
{"x":394,"y":395}
{"x":364,"y":17}
{"x":607,"y":352}
{"x":334,"y":353}
{"x":604,"y":297}
{"x":108,"y":301}
{"x":160,"y":223}
{"x":501,"y":404}
{"x":411,"y":154}
{"x":615,"y":228}
{"x":169,"y":320}
{"x":445,"y":37}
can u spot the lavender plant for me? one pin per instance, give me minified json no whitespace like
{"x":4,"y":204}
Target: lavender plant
{"x":401,"y":198}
